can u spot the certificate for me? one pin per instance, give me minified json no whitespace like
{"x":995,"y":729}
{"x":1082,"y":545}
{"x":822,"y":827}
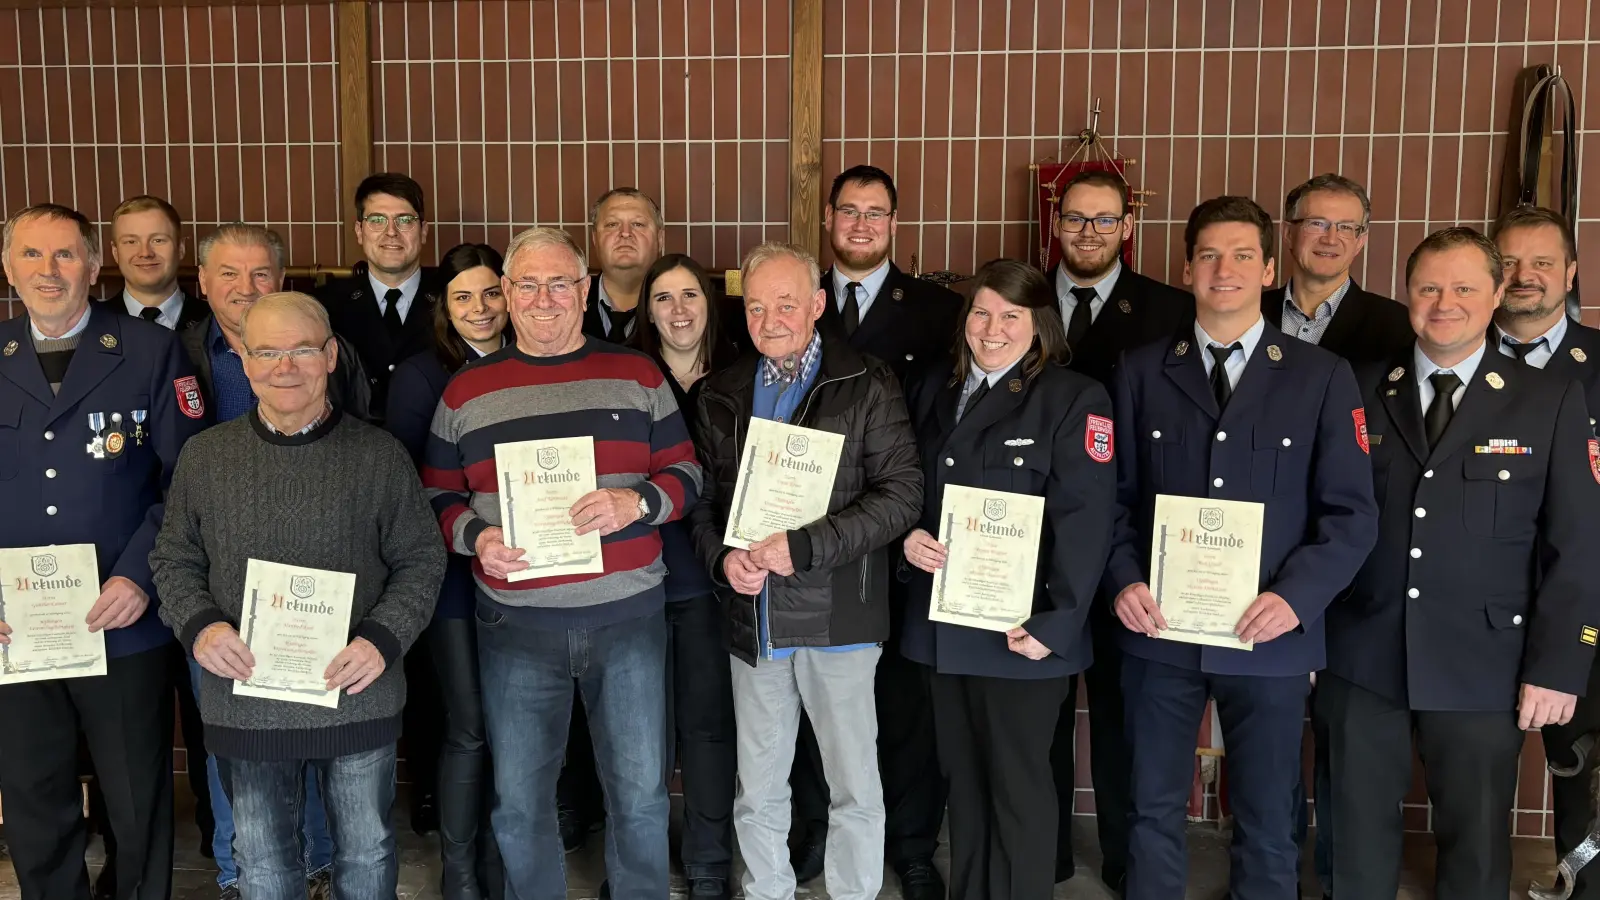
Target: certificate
{"x":1205,"y":567}
{"x":539,"y":483}
{"x":785,"y":481}
{"x":45,"y":596}
{"x":296,"y":620}
{"x":992,"y":538}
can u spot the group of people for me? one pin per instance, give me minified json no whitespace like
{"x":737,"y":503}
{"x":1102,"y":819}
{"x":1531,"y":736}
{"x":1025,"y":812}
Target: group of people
{"x":1427,"y":472}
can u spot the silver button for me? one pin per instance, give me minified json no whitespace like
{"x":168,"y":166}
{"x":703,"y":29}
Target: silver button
{"x":1017,"y":461}
{"x":1416,"y":552}
{"x":1287,"y":442}
{"x":1516,"y":620}
{"x":1216,"y":482}
{"x":1222,"y":435}
{"x":948,"y":461}
{"x":1155,"y":435}
{"x":49,"y":435}
{"x":909,"y":357}
{"x":1503,"y":475}
{"x":1428,"y":474}
{"x":1413,"y":593}
{"x":49,"y":510}
{"x":49,"y":473}
{"x":1422,"y":513}
{"x":391,"y":368}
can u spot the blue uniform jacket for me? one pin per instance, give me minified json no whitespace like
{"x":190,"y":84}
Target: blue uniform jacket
{"x":1292,"y":437}
{"x":53,"y":491}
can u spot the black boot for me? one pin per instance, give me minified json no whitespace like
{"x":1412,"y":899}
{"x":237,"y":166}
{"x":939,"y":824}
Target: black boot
{"x":458,"y":879}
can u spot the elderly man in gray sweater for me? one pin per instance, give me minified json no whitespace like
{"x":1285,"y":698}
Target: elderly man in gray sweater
{"x":296,"y":482}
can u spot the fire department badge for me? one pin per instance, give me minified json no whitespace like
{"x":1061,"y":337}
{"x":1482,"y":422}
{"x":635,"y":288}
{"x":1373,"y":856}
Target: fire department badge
{"x":1495,"y":381}
{"x":1097,"y":439}
{"x":190,"y":403}
{"x":11,"y":348}
{"x":1124,"y":305}
{"x":1273,"y":353}
{"x":1181,"y":349}
{"x":1360,"y":417}
{"x":1397,"y":374}
{"x":108,"y":341}
{"x":1594,"y":458}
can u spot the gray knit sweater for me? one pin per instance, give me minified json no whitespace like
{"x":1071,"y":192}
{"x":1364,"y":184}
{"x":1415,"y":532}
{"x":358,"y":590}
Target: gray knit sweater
{"x":344,"y":497}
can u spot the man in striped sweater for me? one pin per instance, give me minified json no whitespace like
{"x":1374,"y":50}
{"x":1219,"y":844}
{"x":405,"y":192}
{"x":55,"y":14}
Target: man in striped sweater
{"x":607,"y":632}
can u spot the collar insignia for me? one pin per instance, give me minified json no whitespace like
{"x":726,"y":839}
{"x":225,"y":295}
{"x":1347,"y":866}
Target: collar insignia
{"x":1495,"y":381}
{"x":897,"y":295}
{"x":1124,"y":305}
{"x":107,"y":341}
{"x":1398,"y":373}
{"x":1273,"y":353}
{"x":1578,"y":354}
{"x":1014,"y":385}
{"x":11,"y":348}
{"x":1181,"y":349}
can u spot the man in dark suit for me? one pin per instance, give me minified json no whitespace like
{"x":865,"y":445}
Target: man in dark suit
{"x":94,"y":410}
{"x":1541,"y":263}
{"x":1124,"y":310}
{"x":1325,"y":229}
{"x":148,"y":246}
{"x":385,"y":308}
{"x":1232,"y":409}
{"x":1474,"y":620}
{"x":626,"y":232}
{"x":908,"y":323}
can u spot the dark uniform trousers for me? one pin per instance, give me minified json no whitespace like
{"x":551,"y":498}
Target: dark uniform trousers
{"x":1481,"y":581}
{"x":1289,"y":439}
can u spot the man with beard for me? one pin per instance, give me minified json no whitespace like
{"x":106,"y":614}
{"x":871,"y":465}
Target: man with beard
{"x":907,"y":323}
{"x":1541,"y":261}
{"x":1325,"y":228}
{"x":1108,"y":308}
{"x":625,"y":233}
{"x":147,"y":244}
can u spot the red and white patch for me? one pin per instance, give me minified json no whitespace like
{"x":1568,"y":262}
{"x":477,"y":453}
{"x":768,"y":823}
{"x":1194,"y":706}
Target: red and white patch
{"x":190,"y":403}
{"x":1360,"y":417}
{"x":1594,"y":458}
{"x":1097,"y":439}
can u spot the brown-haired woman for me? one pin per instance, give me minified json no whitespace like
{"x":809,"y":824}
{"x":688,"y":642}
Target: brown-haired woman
{"x":1007,"y":415}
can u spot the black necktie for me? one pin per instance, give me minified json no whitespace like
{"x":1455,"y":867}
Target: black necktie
{"x":1221,"y":388}
{"x":973,"y":397}
{"x":1520,"y":351}
{"x":150,"y":314}
{"x":852,"y":309}
{"x":1082,"y":315}
{"x":391,"y":312}
{"x":1442,"y":408}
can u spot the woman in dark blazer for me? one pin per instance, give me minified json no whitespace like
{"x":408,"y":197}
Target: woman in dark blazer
{"x":1007,"y":415}
{"x":469,"y":316}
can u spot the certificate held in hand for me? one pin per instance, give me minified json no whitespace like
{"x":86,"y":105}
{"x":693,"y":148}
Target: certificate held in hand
{"x":296,"y":620}
{"x":1205,"y":567}
{"x":992,"y":538}
{"x":539,"y":483}
{"x":785,"y":481}
{"x":45,"y":596}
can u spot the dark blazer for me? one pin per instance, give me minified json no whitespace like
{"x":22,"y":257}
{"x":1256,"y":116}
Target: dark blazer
{"x":348,"y":386}
{"x":594,"y":326}
{"x":355,"y":315}
{"x":1578,"y":358}
{"x":193,"y":310}
{"x":1036,"y":440}
{"x":1288,"y":439}
{"x":54,"y":492}
{"x":1498,"y":547}
{"x":1139,"y":311}
{"x":912,"y":323}
{"x":1367,"y":327}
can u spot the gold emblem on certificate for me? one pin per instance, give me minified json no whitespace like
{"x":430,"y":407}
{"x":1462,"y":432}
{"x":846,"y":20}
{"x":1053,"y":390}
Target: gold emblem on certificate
{"x":992,"y":538}
{"x":295,"y":621}
{"x":539,"y":483}
{"x":1205,"y":566}
{"x":45,"y":596}
{"x":785,"y":481}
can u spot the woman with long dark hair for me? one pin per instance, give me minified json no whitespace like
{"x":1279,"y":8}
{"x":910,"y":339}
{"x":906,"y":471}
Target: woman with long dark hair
{"x":1007,"y":415}
{"x":469,"y":316}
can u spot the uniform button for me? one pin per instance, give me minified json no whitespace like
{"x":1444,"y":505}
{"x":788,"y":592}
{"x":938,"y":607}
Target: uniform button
{"x":49,"y":473}
{"x":49,"y":510}
{"x":1503,"y":475}
{"x":1287,"y":442}
{"x":1017,"y":461}
{"x":1428,"y":474}
{"x":1416,"y":552}
{"x":391,"y":368}
{"x":909,"y":357}
{"x":1155,"y":435}
{"x":1516,"y":620}
{"x":1216,"y":482}
{"x":1413,"y":593}
{"x":1422,"y":513}
{"x":49,"y":435}
{"x":1222,"y":435}
{"x":948,"y":461}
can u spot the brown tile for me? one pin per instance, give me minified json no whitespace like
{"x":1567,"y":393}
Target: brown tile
{"x":1572,"y":22}
{"x":724,"y":99}
{"x":725,"y":13}
{"x":1390,"y":70}
{"x":621,"y":29}
{"x":1357,"y":153}
{"x":522,"y":173}
{"x":1188,"y":24}
{"x":699,"y":87}
{"x":421,"y":125}
{"x":1302,"y":83}
{"x":1150,"y":173}
{"x":1413,"y":184}
{"x":567,"y":90}
{"x":1418,"y":89}
{"x":1159,"y":79}
{"x":883,"y":115}
{"x":1357,"y":94}
{"x":1048,"y":30}
{"x":724,"y":189}
{"x":1213,"y":85}
{"x":884,"y":28}
{"x":1185,"y":186}
{"x":1186,"y":94}
{"x":1392,"y":24}
{"x":538,"y":104}
{"x":324,"y":114}
{"x":990,"y":159}
{"x":905,"y":118}
{"x":1541,"y":21}
{"x":1423,"y":24}
{"x":1240,"y":169}
{"x":1331,"y":93}
{"x":963,"y":180}
{"x":1303,"y":25}
{"x":776,"y":189}
{"x":833,"y":27}
{"x":1513,"y":26}
{"x":1213,"y":167}
{"x":1383,"y":185}
{"x":965,"y":27}
{"x":777,"y":16}
{"x":1216,"y":25}
{"x":992,"y":90}
{"x":698,"y":25}
{"x":699,"y":240}
{"x":701,"y":197}
{"x":596,"y":104}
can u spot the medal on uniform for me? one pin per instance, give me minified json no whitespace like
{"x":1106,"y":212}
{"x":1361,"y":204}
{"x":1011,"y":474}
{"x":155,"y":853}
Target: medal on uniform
{"x":139,"y":415}
{"x":97,"y":424}
{"x":115,"y":439}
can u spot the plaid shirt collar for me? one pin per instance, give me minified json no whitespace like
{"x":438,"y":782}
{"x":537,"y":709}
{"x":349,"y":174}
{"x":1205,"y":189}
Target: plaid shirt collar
{"x":772,"y":370}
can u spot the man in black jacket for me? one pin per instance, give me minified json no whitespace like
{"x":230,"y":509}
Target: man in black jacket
{"x":625,"y":235}
{"x":808,"y":607}
{"x":1325,"y":229}
{"x":147,"y":244}
{"x":1108,"y":309}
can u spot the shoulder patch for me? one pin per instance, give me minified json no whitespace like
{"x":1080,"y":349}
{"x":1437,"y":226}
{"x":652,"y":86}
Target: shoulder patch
{"x":1360,"y":417}
{"x":190,"y":403}
{"x":1097,"y":439}
{"x":1594,"y":458}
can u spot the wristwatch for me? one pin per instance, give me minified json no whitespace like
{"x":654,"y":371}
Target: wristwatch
{"x":644,"y":508}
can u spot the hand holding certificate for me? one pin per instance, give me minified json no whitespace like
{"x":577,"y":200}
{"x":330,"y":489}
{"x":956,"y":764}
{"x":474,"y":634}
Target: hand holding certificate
{"x":540,"y":481}
{"x":296,"y":620}
{"x":785,"y":481}
{"x":1205,"y":567}
{"x":46,"y":594}
{"x":991,"y":539}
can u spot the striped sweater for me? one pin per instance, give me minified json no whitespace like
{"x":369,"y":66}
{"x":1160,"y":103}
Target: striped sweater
{"x":615,"y":395}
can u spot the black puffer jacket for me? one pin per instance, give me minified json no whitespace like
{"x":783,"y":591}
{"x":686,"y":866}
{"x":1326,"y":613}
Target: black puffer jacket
{"x":839,"y":593}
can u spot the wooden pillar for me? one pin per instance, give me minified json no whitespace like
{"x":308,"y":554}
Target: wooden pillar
{"x":355,"y":110}
{"x":805,"y":124}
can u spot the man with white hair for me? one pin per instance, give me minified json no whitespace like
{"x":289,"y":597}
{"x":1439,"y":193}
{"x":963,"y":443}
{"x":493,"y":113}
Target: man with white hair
{"x":605,"y":633}
{"x":808,"y":608}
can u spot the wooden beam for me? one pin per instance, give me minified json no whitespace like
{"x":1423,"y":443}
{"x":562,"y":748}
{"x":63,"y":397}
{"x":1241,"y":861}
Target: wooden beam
{"x":355,"y":109}
{"x":805,"y":124}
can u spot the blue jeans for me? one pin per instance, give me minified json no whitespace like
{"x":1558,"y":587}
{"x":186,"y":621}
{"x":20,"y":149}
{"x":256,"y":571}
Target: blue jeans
{"x":528,"y":677}
{"x":268,"y":798}
{"x":319,"y":847}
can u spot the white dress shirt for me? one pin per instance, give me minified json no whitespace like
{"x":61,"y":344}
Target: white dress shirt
{"x":1234,"y":367}
{"x":870,"y":286}
{"x":1539,"y":356}
{"x":408,"y":292}
{"x":170,"y":308}
{"x":1463,"y":370}
{"x":1102,"y":292}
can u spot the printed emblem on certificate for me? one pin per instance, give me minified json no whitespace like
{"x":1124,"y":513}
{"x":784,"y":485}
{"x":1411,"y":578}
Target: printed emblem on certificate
{"x":539,"y":483}
{"x":45,"y":596}
{"x":785,"y":481}
{"x":296,"y":620}
{"x":992,"y":538}
{"x":1205,"y":567}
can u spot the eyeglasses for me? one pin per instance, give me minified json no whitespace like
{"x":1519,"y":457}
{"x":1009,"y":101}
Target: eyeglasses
{"x":873,"y":217}
{"x":1346,"y":230}
{"x":1102,"y":224}
{"x":379,"y":222}
{"x":298,"y":355}
{"x":559,"y":288}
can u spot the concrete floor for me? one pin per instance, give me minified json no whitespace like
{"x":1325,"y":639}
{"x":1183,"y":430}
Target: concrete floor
{"x":194,"y":877}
